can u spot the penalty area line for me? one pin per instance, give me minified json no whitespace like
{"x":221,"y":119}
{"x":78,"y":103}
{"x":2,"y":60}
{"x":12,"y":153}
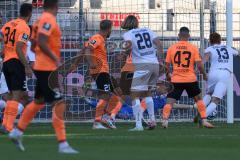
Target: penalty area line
{"x":49,"y":135}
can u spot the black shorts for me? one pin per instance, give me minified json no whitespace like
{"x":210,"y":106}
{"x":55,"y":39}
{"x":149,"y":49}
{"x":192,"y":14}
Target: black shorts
{"x":192,"y":90}
{"x":126,"y":82}
{"x":105,"y":82}
{"x":15,"y":76}
{"x":44,"y":90}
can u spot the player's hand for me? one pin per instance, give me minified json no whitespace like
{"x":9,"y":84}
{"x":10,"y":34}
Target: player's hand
{"x":28,"y":71}
{"x":57,"y":61}
{"x":205,"y":77}
{"x":168,"y":77}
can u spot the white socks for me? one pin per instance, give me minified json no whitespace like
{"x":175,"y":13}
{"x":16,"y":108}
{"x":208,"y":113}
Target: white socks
{"x":207,"y":99}
{"x":211,"y":108}
{"x":20,"y":108}
{"x":150,"y":108}
{"x":2,"y":104}
{"x":137,"y":112}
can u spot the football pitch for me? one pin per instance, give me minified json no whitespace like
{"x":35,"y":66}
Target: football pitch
{"x":179,"y":142}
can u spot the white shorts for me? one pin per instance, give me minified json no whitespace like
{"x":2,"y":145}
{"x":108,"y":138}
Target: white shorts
{"x":218,"y":82}
{"x":3,"y":85}
{"x":146,"y":75}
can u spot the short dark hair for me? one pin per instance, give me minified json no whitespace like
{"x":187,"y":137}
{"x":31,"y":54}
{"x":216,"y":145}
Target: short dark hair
{"x":184,"y":30}
{"x":215,"y":38}
{"x":25,"y":10}
{"x":48,"y":4}
{"x":105,"y":25}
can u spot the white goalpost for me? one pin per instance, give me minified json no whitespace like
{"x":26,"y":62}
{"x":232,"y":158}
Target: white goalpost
{"x":229,"y":33}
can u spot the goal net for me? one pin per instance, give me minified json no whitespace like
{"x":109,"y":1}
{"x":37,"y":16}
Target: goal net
{"x":79,"y":19}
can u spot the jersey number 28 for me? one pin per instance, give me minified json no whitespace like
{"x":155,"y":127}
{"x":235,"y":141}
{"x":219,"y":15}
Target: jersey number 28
{"x":143,"y":40}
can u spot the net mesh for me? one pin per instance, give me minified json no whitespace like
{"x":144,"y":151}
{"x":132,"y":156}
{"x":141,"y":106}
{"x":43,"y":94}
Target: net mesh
{"x":79,"y":19}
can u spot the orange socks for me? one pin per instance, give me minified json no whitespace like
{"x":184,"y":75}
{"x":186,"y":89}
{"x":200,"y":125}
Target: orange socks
{"x":100,"y":110}
{"x":10,"y":115}
{"x":112,"y":104}
{"x":143,"y":105}
{"x":166,"y":111}
{"x":202,"y":109}
{"x":28,"y":114}
{"x":117,"y":108}
{"x":58,"y":121}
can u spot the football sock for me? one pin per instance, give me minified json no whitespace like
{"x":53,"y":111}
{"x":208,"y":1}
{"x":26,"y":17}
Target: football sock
{"x":2,"y":104}
{"x":116,"y":110}
{"x":201,"y":109}
{"x":114,"y":105}
{"x":10,"y":114}
{"x":211,"y":107}
{"x":207,"y":99}
{"x":28,"y":114}
{"x":58,"y":121}
{"x":150,"y":108}
{"x":20,"y":108}
{"x":137,"y":112}
{"x":100,"y":110}
{"x":143,"y":105}
{"x":166,"y":111}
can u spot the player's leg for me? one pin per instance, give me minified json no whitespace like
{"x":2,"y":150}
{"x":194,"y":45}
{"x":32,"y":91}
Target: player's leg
{"x":219,"y":92}
{"x":154,"y":76}
{"x":114,"y":104}
{"x":15,"y":78}
{"x":194,"y":91}
{"x":51,"y":95}
{"x":139,"y":88}
{"x":29,"y":113}
{"x":103,"y":83}
{"x":172,"y":97}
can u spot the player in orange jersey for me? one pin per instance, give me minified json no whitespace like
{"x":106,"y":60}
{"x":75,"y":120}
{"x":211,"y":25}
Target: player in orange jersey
{"x":15,"y":65}
{"x":183,"y":56}
{"x":47,"y":35}
{"x":99,"y":69}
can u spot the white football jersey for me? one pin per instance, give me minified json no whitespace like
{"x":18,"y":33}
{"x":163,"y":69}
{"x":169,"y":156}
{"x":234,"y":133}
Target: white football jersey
{"x":221,"y":56}
{"x":143,"y":49}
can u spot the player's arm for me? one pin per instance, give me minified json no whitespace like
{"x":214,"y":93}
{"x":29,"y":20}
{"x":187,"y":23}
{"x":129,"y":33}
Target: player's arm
{"x":89,"y":56}
{"x":77,"y":60}
{"x":235,"y":51}
{"x":1,"y":43}
{"x":168,"y":63}
{"x":127,"y":47}
{"x":19,"y":50}
{"x":168,"y":74}
{"x":43,"y":45}
{"x":159,"y":46}
{"x":201,"y":69}
{"x":199,"y":62}
{"x":206,"y":57}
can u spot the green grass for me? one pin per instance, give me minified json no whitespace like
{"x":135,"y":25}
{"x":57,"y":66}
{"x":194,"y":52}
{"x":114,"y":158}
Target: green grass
{"x":179,"y":142}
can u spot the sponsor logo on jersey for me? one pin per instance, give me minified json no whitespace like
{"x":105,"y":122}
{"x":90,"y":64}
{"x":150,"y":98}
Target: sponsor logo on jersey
{"x":47,"y":26}
{"x":93,"y":42}
{"x":25,"y":37}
